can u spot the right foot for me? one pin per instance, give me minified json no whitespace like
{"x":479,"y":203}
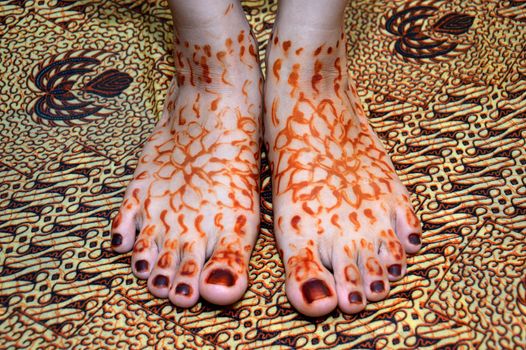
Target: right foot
{"x":194,"y":195}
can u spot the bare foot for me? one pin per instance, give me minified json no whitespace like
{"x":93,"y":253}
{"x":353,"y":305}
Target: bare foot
{"x":338,"y":203}
{"x":194,"y":195}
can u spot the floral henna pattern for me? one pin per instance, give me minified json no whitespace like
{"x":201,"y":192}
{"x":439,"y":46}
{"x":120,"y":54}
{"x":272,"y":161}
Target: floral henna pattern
{"x":195,"y":191}
{"x":338,"y":200}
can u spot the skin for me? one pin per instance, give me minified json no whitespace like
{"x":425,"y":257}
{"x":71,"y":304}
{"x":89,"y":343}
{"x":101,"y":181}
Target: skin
{"x":338,"y":203}
{"x":194,"y":196}
{"x":343,"y":220}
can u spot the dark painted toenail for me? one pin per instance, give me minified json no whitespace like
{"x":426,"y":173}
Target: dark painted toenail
{"x":315,"y":289}
{"x":183,"y":289}
{"x":160,"y":281}
{"x":221,"y":276}
{"x":414,"y":238}
{"x":377,"y":286}
{"x":141,"y":265}
{"x":355,"y":298}
{"x":395,"y":270}
{"x":116,"y":239}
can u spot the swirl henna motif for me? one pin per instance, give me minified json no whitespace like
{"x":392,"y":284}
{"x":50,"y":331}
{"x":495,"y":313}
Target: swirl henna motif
{"x":194,"y":193}
{"x":337,"y":200}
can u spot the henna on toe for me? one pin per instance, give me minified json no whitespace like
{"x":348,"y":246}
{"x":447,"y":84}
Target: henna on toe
{"x":194,"y":195}
{"x":337,"y":200}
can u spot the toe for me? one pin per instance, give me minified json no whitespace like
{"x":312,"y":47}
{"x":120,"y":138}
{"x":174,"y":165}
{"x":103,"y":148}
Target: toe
{"x":224,"y":277}
{"x":145,"y":252}
{"x":162,"y":275}
{"x":349,"y":286}
{"x":392,"y":255}
{"x":309,"y":285}
{"x":124,"y":225}
{"x":408,"y":228}
{"x":185,"y":288}
{"x":374,"y":275}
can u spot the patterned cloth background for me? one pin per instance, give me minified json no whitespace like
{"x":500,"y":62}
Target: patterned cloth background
{"x":82,"y":85}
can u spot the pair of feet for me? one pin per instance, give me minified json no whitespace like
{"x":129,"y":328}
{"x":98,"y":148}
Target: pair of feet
{"x":343,"y":220}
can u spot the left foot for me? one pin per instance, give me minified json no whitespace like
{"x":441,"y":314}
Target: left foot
{"x":338,"y":203}
{"x":194,"y":195}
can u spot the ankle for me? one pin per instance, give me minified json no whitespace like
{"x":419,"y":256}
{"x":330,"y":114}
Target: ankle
{"x":321,"y":67}
{"x":225,"y":60}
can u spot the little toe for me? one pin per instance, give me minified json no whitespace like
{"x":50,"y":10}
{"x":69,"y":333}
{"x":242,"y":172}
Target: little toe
{"x":224,"y":279}
{"x":374,"y":277}
{"x":123,"y":228}
{"x":185,"y":288}
{"x":145,"y":252}
{"x":349,"y":286}
{"x":408,"y":228}
{"x":162,"y":275}
{"x":309,"y":285}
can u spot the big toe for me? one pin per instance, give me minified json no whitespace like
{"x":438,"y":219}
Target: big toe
{"x":309,"y":285}
{"x":222,"y":285}
{"x":224,"y":279}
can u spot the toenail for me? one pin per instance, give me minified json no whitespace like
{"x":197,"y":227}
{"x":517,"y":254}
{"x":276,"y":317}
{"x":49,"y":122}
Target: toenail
{"x":395,"y":270}
{"x":355,"y":298}
{"x":221,"y":276}
{"x":183,"y":289}
{"x":116,"y":239}
{"x":414,"y":238}
{"x":315,"y":289}
{"x":141,"y":265}
{"x":160,"y":281}
{"x":377,"y":286}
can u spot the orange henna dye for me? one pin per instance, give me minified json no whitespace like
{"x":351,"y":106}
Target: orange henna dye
{"x":304,"y":265}
{"x":295,"y":221}
{"x":240,"y":224}
{"x":294,"y":78}
{"x":369,"y":214}
{"x":275,"y":68}
{"x":373,"y":267}
{"x":163,"y":220}
{"x":214,"y":103}
{"x":352,"y":275}
{"x":165,"y":260}
{"x":334,"y":221}
{"x":286,"y":45}
{"x":354,"y":219}
{"x":252,"y":50}
{"x":207,"y":50}
{"x":197,"y":225}
{"x":217,"y":222}
{"x":180,"y":220}
{"x":189,"y":268}
{"x":141,"y":245}
{"x":317,"y":76}
{"x":116,"y":221}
